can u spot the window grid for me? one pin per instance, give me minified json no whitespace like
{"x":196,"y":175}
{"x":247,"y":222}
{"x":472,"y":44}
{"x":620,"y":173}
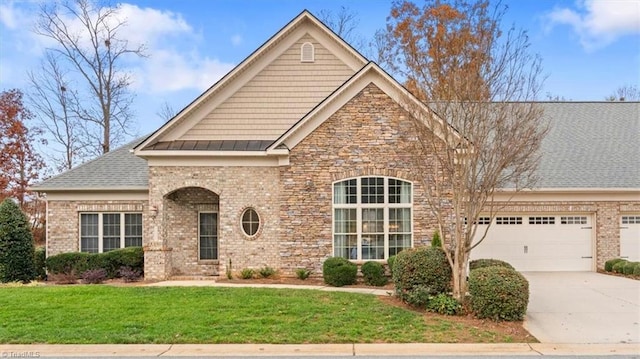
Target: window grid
{"x":573,"y":220}
{"x":372,"y":217}
{"x":630,"y":219}
{"x":208,"y":235}
{"x":250,"y":222}
{"x":103,"y":232}
{"x":542,"y":220}
{"x":133,"y":229}
{"x":508,"y":220}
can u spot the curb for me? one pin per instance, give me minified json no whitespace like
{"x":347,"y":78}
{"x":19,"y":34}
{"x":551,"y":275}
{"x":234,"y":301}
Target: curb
{"x":230,"y":350}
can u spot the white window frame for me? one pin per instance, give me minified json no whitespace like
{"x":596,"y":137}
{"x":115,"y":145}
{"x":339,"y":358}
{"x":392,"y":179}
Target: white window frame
{"x":246,"y":234}
{"x":101,"y":228}
{"x":359,"y":206}
{"x":217,"y":237}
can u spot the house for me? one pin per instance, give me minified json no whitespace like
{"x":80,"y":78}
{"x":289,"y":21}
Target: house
{"x":302,"y":152}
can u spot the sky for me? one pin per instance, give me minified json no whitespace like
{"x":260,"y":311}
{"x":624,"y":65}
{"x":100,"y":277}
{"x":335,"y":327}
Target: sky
{"x":588,"y":47}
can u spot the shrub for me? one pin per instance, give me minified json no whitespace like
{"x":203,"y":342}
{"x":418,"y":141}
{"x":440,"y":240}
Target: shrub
{"x":636,"y":270}
{"x":390,"y":263}
{"x":16,"y":245}
{"x":129,"y":274}
{"x":424,"y":271}
{"x":483,"y":263}
{"x":373,"y":273}
{"x":266,"y":272}
{"x":94,"y":276}
{"x":608,"y":265}
{"x":338,"y":271}
{"x":444,"y":304}
{"x":112,"y":261}
{"x":247,"y":273}
{"x":436,"y":242}
{"x":628,"y":267}
{"x":302,"y":273}
{"x":39,"y":263}
{"x":619,"y":266}
{"x":68,"y":263}
{"x":498,"y":293}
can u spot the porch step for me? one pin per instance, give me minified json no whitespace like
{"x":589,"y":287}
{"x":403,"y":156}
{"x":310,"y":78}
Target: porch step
{"x":195,"y":277}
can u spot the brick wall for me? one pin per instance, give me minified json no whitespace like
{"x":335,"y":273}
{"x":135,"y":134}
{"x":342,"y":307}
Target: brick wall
{"x":174,"y":251}
{"x":63,"y":221}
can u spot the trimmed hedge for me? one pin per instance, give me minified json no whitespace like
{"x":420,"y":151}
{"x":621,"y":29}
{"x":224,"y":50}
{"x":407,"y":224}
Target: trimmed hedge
{"x":483,"y":263}
{"x":39,"y":263}
{"x":419,"y":273}
{"x":373,"y":273}
{"x":498,"y":293}
{"x":76,"y":263}
{"x":619,"y":266}
{"x":636,"y":270}
{"x":338,"y":272}
{"x":628,"y":268}
{"x":608,"y":265}
{"x":390,"y":263}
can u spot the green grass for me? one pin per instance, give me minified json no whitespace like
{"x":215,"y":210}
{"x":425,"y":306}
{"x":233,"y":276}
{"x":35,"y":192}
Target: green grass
{"x":106,"y":314}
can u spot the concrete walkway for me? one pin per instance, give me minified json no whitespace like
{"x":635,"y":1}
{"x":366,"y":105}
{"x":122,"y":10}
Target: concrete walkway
{"x":211,"y":283}
{"x":297,"y":350}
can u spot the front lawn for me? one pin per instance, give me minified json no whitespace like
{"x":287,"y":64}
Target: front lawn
{"x":107,"y":314}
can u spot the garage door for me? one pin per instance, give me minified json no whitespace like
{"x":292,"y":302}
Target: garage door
{"x":538,"y":242}
{"x":630,"y":237}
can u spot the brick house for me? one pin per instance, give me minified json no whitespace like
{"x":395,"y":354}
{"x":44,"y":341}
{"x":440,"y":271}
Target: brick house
{"x":303,"y":151}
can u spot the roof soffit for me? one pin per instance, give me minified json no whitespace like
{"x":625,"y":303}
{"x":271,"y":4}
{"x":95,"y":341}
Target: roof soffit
{"x":304,"y":24}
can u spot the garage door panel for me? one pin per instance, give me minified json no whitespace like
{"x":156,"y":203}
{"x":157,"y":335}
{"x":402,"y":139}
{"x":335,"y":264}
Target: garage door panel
{"x":561,"y":244}
{"x":630,"y":237}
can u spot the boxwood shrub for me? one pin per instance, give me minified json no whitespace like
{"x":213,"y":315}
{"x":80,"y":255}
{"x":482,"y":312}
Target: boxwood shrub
{"x":628,"y":267}
{"x":498,"y":293}
{"x":608,"y":265}
{"x":483,"y":263}
{"x":390,"y":263}
{"x":419,"y":273}
{"x":373,"y":273}
{"x":338,"y":271}
{"x":76,"y":263}
{"x":636,"y":269}
{"x":619,"y":266}
{"x":40,"y":256}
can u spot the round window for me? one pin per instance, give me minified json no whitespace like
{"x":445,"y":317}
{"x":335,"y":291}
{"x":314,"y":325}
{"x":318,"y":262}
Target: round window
{"x":250,"y":222}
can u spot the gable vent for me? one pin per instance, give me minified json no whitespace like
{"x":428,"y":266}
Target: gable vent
{"x":307,"y":52}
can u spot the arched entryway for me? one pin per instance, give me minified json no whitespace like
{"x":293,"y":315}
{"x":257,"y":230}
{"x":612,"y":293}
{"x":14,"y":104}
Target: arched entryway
{"x":191,"y":230}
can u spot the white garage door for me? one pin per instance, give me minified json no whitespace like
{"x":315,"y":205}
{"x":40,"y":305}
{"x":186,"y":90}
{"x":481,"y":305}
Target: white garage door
{"x":630,"y":237}
{"x":538,"y":242}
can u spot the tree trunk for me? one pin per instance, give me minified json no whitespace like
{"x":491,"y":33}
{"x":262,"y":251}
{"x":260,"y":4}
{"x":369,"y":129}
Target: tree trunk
{"x":460,"y":273}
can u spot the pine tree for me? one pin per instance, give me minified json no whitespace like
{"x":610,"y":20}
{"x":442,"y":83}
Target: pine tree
{"x":16,"y":245}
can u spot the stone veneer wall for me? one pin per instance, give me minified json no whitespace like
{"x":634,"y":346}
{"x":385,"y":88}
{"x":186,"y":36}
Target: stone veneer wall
{"x":370,"y":135}
{"x":237,"y":188}
{"x":63,"y":217}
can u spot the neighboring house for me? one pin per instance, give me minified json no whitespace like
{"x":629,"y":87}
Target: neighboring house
{"x":303,"y":152}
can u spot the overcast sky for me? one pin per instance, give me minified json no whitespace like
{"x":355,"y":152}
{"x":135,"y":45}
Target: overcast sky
{"x":589,"y":47}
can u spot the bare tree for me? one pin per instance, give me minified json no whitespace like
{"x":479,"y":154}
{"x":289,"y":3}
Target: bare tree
{"x":344,"y":23}
{"x":166,"y":112}
{"x":89,"y":43}
{"x":481,"y":82}
{"x":55,"y":102}
{"x":625,"y":93}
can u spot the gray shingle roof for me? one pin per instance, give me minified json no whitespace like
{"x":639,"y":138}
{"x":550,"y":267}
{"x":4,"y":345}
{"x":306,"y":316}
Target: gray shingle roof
{"x":118,"y":169}
{"x":591,"y":145}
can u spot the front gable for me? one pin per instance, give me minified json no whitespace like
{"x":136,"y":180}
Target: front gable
{"x":268,"y":92}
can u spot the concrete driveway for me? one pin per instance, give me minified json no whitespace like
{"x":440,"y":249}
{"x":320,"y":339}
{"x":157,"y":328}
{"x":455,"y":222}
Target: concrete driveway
{"x":583,"y":307}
